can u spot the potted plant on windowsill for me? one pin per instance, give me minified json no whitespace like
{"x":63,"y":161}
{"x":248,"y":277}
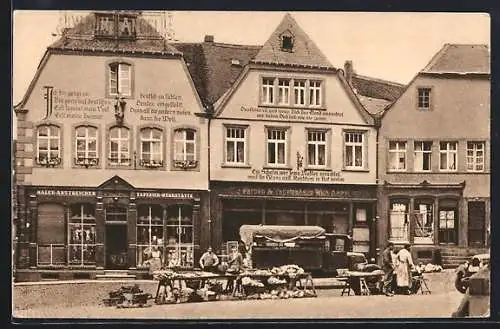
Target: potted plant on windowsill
{"x":151,"y":163}
{"x":185,"y":164}
{"x":46,"y":162}
{"x":87,"y":162}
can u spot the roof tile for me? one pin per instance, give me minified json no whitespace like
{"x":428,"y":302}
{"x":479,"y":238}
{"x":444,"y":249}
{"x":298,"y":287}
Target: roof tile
{"x":462,"y":59}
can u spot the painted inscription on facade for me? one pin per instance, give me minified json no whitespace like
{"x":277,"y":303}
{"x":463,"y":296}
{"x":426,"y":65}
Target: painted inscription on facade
{"x":289,"y":114}
{"x":151,"y":107}
{"x":287,"y":175}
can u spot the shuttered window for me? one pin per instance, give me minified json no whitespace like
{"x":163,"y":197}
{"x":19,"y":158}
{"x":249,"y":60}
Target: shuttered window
{"x":51,"y":234}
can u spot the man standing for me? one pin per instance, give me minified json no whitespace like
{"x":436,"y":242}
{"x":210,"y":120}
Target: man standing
{"x":209,"y":261}
{"x":388,"y":267}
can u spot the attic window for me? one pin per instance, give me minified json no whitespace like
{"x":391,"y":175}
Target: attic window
{"x":122,"y":26}
{"x":286,"y":43}
{"x":235,"y":62}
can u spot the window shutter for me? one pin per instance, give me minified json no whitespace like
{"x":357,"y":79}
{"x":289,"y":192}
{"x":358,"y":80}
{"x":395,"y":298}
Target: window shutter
{"x":124,"y":76}
{"x":50,"y":225}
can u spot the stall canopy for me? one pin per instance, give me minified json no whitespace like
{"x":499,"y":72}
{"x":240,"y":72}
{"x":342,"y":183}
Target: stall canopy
{"x":278,"y":233}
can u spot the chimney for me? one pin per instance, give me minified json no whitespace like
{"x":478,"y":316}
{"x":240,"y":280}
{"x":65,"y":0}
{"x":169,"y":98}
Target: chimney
{"x":209,"y":38}
{"x":348,"y":71}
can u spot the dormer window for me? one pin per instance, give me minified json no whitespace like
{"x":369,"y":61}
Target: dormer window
{"x":116,"y":25}
{"x":287,"y":42}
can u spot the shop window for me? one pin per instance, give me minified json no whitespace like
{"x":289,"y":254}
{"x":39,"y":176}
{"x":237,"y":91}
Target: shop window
{"x":475,"y":156}
{"x":48,"y":150}
{"x":276,"y":146}
{"x":239,"y":212}
{"x":361,"y":215}
{"x":81,"y":234}
{"x":422,"y":156}
{"x":180,"y":238}
{"x":423,"y":223}
{"x":86,"y":145}
{"x":283,"y":92}
{"x":316,"y":148}
{"x":119,"y":146}
{"x":398,"y":221}
{"x":448,"y":221}
{"x":397,"y":156}
{"x":149,"y":232}
{"x":120,"y":79}
{"x":267,"y":91}
{"x":299,"y":92}
{"x":424,"y":98}
{"x":51,"y":235}
{"x":185,"y":149}
{"x":236,"y":145}
{"x":151,"y":147}
{"x":448,"y":156}
{"x":354,"y":150}
{"x":315,"y":97}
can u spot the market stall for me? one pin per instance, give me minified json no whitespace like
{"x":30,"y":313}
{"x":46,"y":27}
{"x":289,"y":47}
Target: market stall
{"x":289,"y":281}
{"x":361,"y":283}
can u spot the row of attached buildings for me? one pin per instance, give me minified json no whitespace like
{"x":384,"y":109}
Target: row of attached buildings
{"x":126,"y":142}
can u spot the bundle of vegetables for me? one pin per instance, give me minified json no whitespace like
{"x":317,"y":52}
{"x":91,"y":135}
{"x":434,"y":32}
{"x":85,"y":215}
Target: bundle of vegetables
{"x":163,"y":275}
{"x":274,"y":280}
{"x":247,"y":281}
{"x":262,"y":272}
{"x":429,"y":268}
{"x":127,"y":296}
{"x":288,"y":270}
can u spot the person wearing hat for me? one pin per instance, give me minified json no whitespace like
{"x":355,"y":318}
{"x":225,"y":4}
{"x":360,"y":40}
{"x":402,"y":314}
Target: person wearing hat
{"x":209,"y":261}
{"x":388,"y":267}
{"x":403,"y":269}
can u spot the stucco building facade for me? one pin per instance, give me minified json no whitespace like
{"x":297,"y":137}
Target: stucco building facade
{"x":111,"y":156}
{"x":434,"y":163}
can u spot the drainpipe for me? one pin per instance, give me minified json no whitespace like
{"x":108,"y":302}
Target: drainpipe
{"x":378,"y":123}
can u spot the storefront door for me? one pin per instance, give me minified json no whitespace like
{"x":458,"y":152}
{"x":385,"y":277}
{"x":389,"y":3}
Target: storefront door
{"x":116,"y":238}
{"x":116,"y":246}
{"x":477,"y":213}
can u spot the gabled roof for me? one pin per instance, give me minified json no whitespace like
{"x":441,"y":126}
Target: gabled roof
{"x":460,"y":59}
{"x":81,"y":38}
{"x":304,"y":52}
{"x":214,"y":67}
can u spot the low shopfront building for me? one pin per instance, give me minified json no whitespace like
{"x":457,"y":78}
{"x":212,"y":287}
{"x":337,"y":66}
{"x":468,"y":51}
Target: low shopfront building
{"x":341,"y":209}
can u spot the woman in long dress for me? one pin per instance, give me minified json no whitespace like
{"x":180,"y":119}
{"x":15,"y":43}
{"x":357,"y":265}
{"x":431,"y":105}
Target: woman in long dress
{"x":404,"y":264}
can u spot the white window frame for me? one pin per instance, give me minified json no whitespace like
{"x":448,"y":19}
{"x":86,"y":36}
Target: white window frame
{"x":141,"y":246}
{"x":473,"y":159}
{"x":151,"y":140}
{"x":284,"y":91}
{"x":235,"y":135}
{"x":120,"y":83}
{"x":81,"y":225}
{"x":49,"y":138}
{"x":315,"y":95}
{"x":400,"y":148}
{"x":424,"y":96}
{"x":299,"y":89}
{"x":268,"y":91}
{"x":317,"y":138}
{"x":448,"y":152}
{"x":353,"y":145}
{"x":404,"y":231}
{"x":275,"y":140}
{"x":421,"y":153}
{"x":87,"y":140}
{"x":122,"y":157}
{"x":181,"y":143}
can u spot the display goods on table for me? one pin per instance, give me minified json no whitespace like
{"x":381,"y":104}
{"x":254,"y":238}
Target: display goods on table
{"x":128,"y":297}
{"x":280,"y":282}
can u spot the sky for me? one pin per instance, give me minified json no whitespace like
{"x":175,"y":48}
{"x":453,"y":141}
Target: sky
{"x":390,"y":46}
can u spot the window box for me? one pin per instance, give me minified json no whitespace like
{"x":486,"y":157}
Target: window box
{"x":185,"y":164}
{"x":151,"y":163}
{"x":45,"y":162}
{"x":119,"y":161}
{"x":87,"y":162}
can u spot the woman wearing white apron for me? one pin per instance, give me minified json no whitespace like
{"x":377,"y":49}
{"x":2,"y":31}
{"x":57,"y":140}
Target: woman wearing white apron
{"x":404,"y":264}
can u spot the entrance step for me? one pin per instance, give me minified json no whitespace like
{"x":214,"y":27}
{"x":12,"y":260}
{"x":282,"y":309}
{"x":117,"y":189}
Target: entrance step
{"x":115,"y":275}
